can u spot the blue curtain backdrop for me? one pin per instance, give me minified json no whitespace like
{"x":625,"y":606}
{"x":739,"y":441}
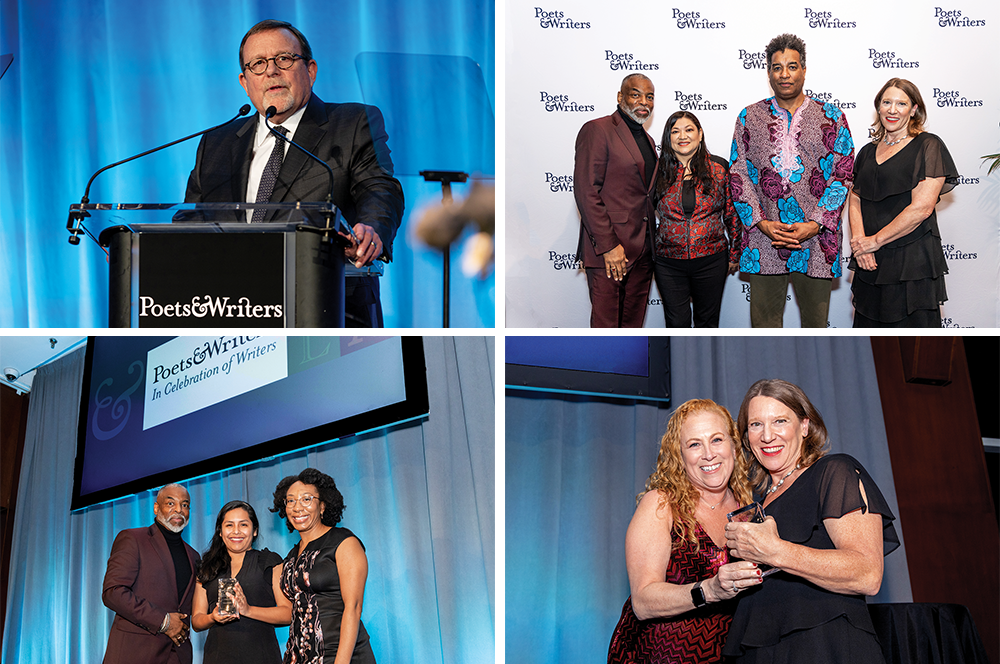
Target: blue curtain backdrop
{"x":420,"y":496}
{"x":575,"y":464}
{"x":95,"y":82}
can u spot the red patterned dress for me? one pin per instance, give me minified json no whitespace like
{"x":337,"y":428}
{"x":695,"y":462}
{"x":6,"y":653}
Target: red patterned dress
{"x":695,"y":637}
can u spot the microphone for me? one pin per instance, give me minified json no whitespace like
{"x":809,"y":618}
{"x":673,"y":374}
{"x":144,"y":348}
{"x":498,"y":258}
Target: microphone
{"x":76,"y":216}
{"x":268,"y":114}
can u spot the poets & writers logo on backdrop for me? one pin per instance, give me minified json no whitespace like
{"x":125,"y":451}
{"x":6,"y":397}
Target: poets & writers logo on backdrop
{"x":563,"y":103}
{"x":829,"y":98}
{"x":627,"y":62}
{"x":558,"y":19}
{"x":694,"y":101}
{"x":822,"y":19}
{"x":564,"y":261}
{"x":952,"y":18}
{"x":693,"y":20}
{"x":558,"y":182}
{"x":953,"y":253}
{"x":889,"y":60}
{"x":753,"y":59}
{"x":954,"y":99}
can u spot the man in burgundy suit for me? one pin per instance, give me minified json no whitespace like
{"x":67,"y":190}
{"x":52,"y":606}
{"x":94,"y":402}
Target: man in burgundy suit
{"x":614,"y":173}
{"x":149,"y":585}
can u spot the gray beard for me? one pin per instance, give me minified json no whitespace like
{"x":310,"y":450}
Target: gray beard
{"x":169,"y":526}
{"x":629,"y":112}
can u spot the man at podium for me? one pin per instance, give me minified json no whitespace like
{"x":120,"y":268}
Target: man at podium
{"x":245,"y":161}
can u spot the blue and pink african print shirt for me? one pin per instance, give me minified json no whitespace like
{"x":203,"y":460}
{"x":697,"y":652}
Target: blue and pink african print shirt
{"x":791,"y":168}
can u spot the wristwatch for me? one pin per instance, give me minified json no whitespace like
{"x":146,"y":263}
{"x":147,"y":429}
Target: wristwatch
{"x":698,"y":596}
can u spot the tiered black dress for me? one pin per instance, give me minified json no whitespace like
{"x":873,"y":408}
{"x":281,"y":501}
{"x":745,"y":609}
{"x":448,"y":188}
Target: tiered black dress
{"x":788,"y":620}
{"x":694,"y":637}
{"x":246,"y":641}
{"x":907,"y":287}
{"x":312,"y":581}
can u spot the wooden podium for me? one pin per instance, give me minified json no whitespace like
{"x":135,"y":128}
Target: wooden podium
{"x":205,"y":269}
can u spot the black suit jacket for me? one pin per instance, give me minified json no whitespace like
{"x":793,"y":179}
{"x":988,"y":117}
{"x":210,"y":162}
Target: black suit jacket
{"x":351,"y":138}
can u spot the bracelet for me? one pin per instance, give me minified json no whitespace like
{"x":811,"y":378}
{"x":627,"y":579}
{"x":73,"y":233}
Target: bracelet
{"x":166,"y":624}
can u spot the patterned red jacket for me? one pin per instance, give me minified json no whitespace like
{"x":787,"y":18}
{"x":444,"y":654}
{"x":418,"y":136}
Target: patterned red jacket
{"x":705,"y":232}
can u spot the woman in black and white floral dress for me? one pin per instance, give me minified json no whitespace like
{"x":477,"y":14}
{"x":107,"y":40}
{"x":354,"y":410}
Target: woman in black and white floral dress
{"x":324,"y":575}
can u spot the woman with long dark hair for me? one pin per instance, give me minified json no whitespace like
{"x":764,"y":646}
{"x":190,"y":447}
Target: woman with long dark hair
{"x":324,"y":574}
{"x":697,"y":231}
{"x":244,"y":635}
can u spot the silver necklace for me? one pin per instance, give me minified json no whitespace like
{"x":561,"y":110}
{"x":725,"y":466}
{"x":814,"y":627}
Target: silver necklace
{"x":712,"y":507}
{"x":885,"y":140}
{"x":782,"y":481}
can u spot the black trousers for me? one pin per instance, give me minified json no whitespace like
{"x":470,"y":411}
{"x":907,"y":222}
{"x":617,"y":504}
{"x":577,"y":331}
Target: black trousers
{"x":362,"y":304}
{"x":687,"y":284}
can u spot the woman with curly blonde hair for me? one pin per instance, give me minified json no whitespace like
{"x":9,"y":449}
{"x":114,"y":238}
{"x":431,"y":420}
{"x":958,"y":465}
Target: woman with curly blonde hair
{"x":678,"y":567}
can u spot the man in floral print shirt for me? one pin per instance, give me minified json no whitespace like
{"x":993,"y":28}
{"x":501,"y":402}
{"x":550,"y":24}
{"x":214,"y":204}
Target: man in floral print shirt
{"x":791,"y":164}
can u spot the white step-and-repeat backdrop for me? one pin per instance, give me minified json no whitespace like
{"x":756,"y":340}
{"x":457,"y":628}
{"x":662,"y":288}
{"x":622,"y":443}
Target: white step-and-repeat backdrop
{"x":565,"y":60}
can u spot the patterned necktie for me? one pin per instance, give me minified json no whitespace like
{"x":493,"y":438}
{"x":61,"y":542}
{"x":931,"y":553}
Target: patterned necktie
{"x":270,"y":176}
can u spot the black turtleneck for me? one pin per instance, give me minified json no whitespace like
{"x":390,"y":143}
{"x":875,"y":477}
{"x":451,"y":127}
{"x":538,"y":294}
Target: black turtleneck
{"x":640,"y":136}
{"x":182,"y":565}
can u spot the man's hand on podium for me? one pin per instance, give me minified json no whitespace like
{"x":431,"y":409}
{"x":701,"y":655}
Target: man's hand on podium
{"x":366,"y":249}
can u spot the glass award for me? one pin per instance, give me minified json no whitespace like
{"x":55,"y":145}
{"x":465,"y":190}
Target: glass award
{"x":227,"y":586}
{"x":752,"y":513}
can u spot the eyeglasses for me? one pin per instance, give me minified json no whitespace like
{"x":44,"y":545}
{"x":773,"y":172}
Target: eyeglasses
{"x":306,"y":501}
{"x":281,"y":61}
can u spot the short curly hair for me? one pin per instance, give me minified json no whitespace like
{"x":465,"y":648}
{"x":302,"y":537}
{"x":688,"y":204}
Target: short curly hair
{"x":786,"y":42}
{"x":329,"y":495}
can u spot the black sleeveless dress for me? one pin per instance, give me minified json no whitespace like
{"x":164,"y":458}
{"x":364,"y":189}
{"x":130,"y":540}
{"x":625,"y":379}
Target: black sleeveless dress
{"x":246,"y":641}
{"x":694,"y":637}
{"x":312,"y":582}
{"x":788,"y":620}
{"x":909,"y":278}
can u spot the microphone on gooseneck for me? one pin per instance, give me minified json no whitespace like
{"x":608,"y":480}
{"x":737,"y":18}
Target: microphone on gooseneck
{"x":77,"y":215}
{"x":268,"y":114}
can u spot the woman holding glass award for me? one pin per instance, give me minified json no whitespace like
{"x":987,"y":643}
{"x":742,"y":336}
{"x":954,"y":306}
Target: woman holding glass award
{"x":835,"y":528}
{"x":237,"y":596}
{"x":678,"y":569}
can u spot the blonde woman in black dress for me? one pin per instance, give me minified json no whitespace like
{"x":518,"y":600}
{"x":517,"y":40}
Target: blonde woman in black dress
{"x":898,"y":260}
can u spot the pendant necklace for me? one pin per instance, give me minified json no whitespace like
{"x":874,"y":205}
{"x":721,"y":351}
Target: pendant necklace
{"x":782,"y":481}
{"x":712,"y":507}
